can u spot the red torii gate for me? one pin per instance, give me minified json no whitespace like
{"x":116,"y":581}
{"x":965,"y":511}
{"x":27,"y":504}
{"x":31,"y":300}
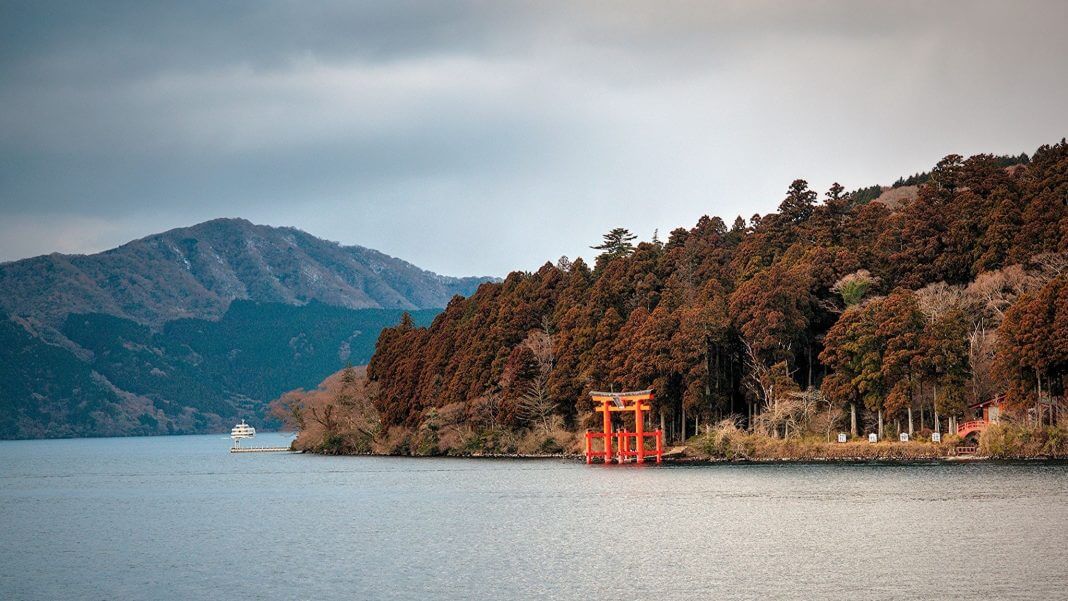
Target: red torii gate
{"x":611,"y":402}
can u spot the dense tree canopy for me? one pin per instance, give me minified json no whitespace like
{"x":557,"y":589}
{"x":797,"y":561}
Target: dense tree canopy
{"x":831,"y":294}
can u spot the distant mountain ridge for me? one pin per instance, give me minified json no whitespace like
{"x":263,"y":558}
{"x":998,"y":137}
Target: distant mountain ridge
{"x":197,"y":271}
{"x":187,"y":330}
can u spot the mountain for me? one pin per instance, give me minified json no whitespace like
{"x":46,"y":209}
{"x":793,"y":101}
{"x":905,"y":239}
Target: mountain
{"x":195,"y":272}
{"x":188,"y":330}
{"x":190,"y":376}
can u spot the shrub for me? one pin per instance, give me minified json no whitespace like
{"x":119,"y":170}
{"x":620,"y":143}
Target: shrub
{"x":1008,"y":441}
{"x":395,"y":441}
{"x":726,"y":441}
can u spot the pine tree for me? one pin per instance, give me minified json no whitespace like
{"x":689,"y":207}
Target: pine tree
{"x":617,"y":243}
{"x":799,"y":202}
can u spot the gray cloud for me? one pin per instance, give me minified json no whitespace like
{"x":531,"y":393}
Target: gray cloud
{"x":480,"y":137}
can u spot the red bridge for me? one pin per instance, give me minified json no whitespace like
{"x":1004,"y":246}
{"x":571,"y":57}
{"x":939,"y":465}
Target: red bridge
{"x":991,"y":414}
{"x":976,"y":425}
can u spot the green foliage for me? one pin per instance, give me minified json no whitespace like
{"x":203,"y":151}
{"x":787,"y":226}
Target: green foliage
{"x":1001,"y":161}
{"x":912,"y":180}
{"x":550,"y":446}
{"x":799,"y":204}
{"x":854,"y":287}
{"x":45,"y":391}
{"x":853,"y":292}
{"x":617,"y":243}
{"x":427,"y":439}
{"x":197,"y":374}
{"x":332,"y":444}
{"x":862,"y":196}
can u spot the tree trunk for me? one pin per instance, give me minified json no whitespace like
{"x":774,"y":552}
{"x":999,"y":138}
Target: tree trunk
{"x":922,"y":418}
{"x":809,"y":352}
{"x":683,"y":439}
{"x":910,"y":421}
{"x":934,"y":407}
{"x":880,"y":424}
{"x":853,"y":420}
{"x":1038,"y":399}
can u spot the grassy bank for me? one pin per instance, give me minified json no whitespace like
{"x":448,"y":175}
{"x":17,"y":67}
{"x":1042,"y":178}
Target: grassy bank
{"x":724,"y":443}
{"x":338,"y":418}
{"x":999,"y":441}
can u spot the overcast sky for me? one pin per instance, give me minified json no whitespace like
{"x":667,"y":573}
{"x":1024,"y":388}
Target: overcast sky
{"x":482,"y":137}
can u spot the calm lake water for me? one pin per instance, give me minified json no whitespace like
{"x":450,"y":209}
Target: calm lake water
{"x":180,"y":518}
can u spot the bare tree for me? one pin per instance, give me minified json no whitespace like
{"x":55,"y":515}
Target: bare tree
{"x":290,"y":409}
{"x":772,"y":386}
{"x":757,"y":379}
{"x":535,"y":405}
{"x":993,"y":292}
{"x":810,"y":404}
{"x":1050,"y":265}
{"x":935,"y":300}
{"x":982,"y":345}
{"x":326,"y":417}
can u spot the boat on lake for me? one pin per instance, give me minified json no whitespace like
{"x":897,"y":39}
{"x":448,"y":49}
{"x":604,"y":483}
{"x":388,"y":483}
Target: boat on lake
{"x":242,"y":431}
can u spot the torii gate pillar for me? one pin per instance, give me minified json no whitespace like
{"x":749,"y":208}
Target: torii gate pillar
{"x":635,"y":402}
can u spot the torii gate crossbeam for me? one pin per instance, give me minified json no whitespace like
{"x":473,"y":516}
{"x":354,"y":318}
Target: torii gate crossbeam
{"x":614,"y":402}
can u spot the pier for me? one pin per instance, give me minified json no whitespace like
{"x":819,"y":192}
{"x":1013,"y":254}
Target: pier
{"x":236,"y":449}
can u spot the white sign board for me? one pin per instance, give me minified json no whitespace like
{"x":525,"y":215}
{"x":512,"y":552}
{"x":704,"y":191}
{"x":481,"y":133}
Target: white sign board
{"x":936,"y":437}
{"x":841,"y":437}
{"x":873,"y":437}
{"x":904,"y":437}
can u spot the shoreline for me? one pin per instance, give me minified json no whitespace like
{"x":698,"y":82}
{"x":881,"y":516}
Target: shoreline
{"x":723,"y":444}
{"x":706,"y":460}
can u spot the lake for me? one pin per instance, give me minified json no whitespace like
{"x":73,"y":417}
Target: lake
{"x":181,"y":518}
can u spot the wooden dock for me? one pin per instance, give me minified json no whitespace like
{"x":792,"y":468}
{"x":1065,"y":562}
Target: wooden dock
{"x":261,"y":450}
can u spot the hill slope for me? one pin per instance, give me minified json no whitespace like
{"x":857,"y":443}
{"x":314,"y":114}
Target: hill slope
{"x":197,"y":271}
{"x":192,"y":376}
{"x":186,"y":330}
{"x":886,"y":316}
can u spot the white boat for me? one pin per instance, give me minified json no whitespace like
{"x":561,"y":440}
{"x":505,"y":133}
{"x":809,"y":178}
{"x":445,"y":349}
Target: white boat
{"x":241,"y":431}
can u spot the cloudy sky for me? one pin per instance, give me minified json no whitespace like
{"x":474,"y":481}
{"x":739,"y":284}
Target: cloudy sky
{"x":481,"y":137}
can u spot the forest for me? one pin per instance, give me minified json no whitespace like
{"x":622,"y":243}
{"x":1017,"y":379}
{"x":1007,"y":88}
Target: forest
{"x":119,"y":377}
{"x":841,"y":313}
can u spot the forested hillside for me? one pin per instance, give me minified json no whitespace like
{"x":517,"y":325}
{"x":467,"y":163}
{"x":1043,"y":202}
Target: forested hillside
{"x":832,"y":308}
{"x":185,"y":330}
{"x":119,"y":377}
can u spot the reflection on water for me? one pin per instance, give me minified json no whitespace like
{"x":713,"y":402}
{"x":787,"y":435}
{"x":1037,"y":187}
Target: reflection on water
{"x":180,"y":517}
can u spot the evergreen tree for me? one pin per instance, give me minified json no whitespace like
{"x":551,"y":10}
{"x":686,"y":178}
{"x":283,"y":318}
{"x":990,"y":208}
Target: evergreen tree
{"x":676,"y":317}
{"x":799,"y":202}
{"x":617,"y":243}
